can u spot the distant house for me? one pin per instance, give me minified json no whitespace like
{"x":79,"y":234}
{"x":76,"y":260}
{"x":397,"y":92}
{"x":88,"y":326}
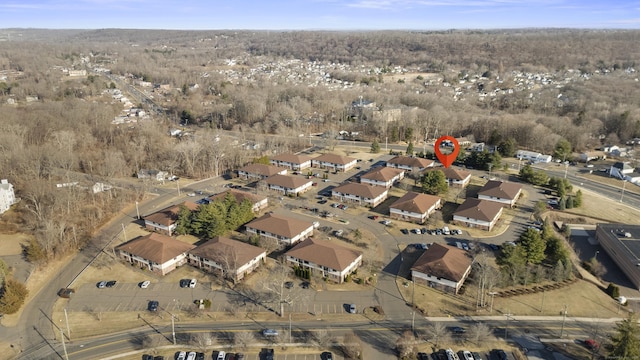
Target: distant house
{"x":334,"y":162}
{"x":503,"y":192}
{"x":408,"y":163}
{"x":325,"y":258}
{"x":288,"y":185}
{"x":228,"y":258}
{"x":592,"y":155}
{"x":363,"y":194}
{"x":414,"y":207}
{"x":476,"y":213}
{"x":382,"y":176}
{"x":291,"y":161}
{"x":286,"y":230}
{"x":532,"y":156}
{"x":259,"y":202}
{"x":7,"y":195}
{"x":621,"y":169}
{"x":164,"y":221}
{"x":155,"y":252}
{"x":152,"y":174}
{"x":477,"y":147}
{"x":442,"y":266}
{"x":260,"y":171}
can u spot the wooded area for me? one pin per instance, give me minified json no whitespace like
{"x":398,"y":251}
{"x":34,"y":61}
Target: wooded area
{"x":525,"y":88}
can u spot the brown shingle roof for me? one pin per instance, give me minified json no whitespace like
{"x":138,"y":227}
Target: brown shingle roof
{"x":443,"y":261}
{"x":261,"y":169}
{"x":453,"y":174}
{"x":156,"y":247}
{"x":483,"y":210}
{"x":415,"y":202}
{"x":499,"y":189}
{"x":335,"y":159}
{"x":169,"y":215}
{"x":240,"y":196}
{"x":292,"y":158}
{"x":410,"y":161}
{"x":381,"y":173}
{"x":227,"y":252}
{"x":361,"y":190}
{"x":287,"y":181}
{"x":280,"y":225}
{"x":324,"y":253}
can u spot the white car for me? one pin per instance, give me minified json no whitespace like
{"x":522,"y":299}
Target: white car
{"x":191,"y":355}
{"x":145,"y":284}
{"x":221,"y":355}
{"x":182,"y":355}
{"x":191,"y":194}
{"x":467,"y":355}
{"x":193,"y":283}
{"x":386,"y":222}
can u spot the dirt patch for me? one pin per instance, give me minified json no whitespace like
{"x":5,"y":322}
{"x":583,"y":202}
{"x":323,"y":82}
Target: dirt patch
{"x":11,"y":244}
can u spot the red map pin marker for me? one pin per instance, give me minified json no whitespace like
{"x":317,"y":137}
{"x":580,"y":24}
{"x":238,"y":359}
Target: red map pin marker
{"x":447,"y":159}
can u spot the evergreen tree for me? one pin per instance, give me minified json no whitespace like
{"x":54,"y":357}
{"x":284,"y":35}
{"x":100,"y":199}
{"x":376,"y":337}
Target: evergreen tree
{"x":562,"y":150}
{"x":577,"y":201}
{"x":408,"y":134}
{"x":562,"y":204}
{"x":533,"y":245}
{"x":410,"y":148}
{"x":375,"y":146}
{"x":394,"y":134}
{"x":556,"y":250}
{"x":625,"y":343}
{"x":507,"y":147}
{"x":183,"y":224}
{"x":13,"y":296}
{"x":434,"y":182}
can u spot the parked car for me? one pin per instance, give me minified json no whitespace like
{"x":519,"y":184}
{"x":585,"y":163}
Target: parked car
{"x":591,"y":344}
{"x":145,"y":284}
{"x":191,"y":355}
{"x":221,"y":355}
{"x":386,"y":222}
{"x":457,"y":330}
{"x":200,"y":356}
{"x":111,"y":283}
{"x":240,"y":356}
{"x":230,"y":356}
{"x":153,"y":305}
{"x":184,"y":283}
{"x":269,"y":354}
{"x":147,"y":357}
{"x":270,"y":332}
{"x":182,"y":355}
{"x":416,"y":231}
{"x":373,"y":217}
{"x":305,"y":284}
{"x":499,"y":354}
{"x":288,"y":284}
{"x":476,"y":356}
{"x":326,"y":356}
{"x":191,"y":194}
{"x":101,"y":284}
{"x":158,"y":357}
{"x":404,"y":231}
{"x":467,"y":355}
{"x":192,"y":283}
{"x":423,"y":356}
{"x":352,"y":309}
{"x":66,"y":292}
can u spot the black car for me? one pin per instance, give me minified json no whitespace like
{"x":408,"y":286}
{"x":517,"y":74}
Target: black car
{"x":66,"y":292}
{"x":404,"y":231}
{"x":305,"y":284}
{"x":288,"y":284}
{"x":268,"y":354}
{"x":423,"y":356}
{"x":327,"y":355}
{"x":111,"y":283}
{"x":147,"y":357}
{"x":499,"y":354}
{"x":200,"y":356}
{"x":240,"y":356}
{"x":185,"y":283}
{"x":153,"y":305}
{"x":458,"y":330}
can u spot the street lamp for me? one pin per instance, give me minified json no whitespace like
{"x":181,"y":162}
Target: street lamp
{"x":493,"y":293}
{"x":595,"y":257}
{"x":137,"y":211}
{"x":564,"y":317}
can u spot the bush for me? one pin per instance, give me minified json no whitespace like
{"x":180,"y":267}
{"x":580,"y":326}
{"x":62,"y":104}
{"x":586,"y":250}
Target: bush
{"x":613,"y":290}
{"x":12,"y":296}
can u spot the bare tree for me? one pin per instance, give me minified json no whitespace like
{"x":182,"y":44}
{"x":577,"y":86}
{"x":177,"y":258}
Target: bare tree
{"x":243,"y":339}
{"x":323,"y":338}
{"x":438,"y":333}
{"x":405,"y":343}
{"x":278,"y":293}
{"x":203,"y":340}
{"x":351,"y":346}
{"x":479,"y":332}
{"x":269,"y":244}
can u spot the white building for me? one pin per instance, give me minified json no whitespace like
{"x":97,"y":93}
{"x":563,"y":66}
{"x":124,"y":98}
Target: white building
{"x":534,"y":157}
{"x":7,"y":195}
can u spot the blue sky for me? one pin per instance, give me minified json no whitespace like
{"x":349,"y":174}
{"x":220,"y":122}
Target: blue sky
{"x":319,"y":14}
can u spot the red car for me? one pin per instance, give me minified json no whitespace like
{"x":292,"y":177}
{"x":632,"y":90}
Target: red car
{"x":373,"y":217}
{"x":591,"y":344}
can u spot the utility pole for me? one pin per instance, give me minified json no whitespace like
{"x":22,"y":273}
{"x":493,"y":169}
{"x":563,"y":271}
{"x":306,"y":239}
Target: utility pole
{"x":64,"y":346}
{"x":66,"y":318}
{"x":624,"y":182}
{"x":137,"y":211}
{"x":564,"y":317}
{"x":124,"y":233}
{"x":178,"y":186}
{"x":493,"y":293}
{"x":173,"y":330}
{"x":289,"y":327}
{"x":413,"y":321}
